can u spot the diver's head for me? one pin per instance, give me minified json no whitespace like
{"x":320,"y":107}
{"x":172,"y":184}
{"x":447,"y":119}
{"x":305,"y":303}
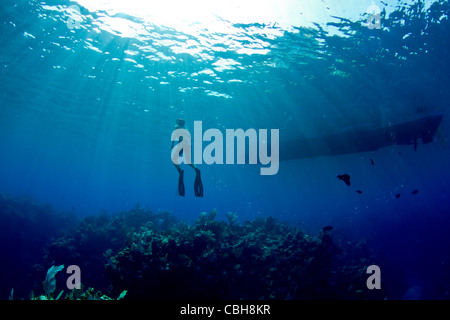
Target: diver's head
{"x":180,"y":123}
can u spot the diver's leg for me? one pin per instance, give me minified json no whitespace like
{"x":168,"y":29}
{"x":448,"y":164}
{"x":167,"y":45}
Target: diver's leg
{"x":181,"y":190}
{"x":198,"y":185}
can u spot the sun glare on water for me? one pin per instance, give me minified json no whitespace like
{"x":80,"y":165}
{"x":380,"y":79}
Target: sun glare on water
{"x":217,"y":16}
{"x":207,"y":15}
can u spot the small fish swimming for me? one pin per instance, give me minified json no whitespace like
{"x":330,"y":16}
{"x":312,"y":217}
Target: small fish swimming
{"x":359,"y":191}
{"x":397,"y":195}
{"x":371,"y":162}
{"x":327,"y":228}
{"x":415,"y":191}
{"x":344,"y":177}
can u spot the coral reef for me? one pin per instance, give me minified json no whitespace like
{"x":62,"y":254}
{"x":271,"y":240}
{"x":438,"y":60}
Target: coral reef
{"x":90,"y":243}
{"x":50,"y":280}
{"x":151,"y":255}
{"x":76,"y":294}
{"x":259,"y":259}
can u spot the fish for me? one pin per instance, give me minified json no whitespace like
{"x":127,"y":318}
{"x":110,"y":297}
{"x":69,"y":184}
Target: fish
{"x":359,"y":191}
{"x":327,"y":228}
{"x":415,"y":191}
{"x":344,"y":177}
{"x":371,"y":162}
{"x":397,"y":195}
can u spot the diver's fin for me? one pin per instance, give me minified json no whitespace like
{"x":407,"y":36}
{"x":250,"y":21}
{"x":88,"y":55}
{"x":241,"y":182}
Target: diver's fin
{"x":181,"y":184}
{"x":198,"y":185}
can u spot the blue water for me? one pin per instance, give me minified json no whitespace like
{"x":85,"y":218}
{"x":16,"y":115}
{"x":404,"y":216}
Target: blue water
{"x":86,"y":114}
